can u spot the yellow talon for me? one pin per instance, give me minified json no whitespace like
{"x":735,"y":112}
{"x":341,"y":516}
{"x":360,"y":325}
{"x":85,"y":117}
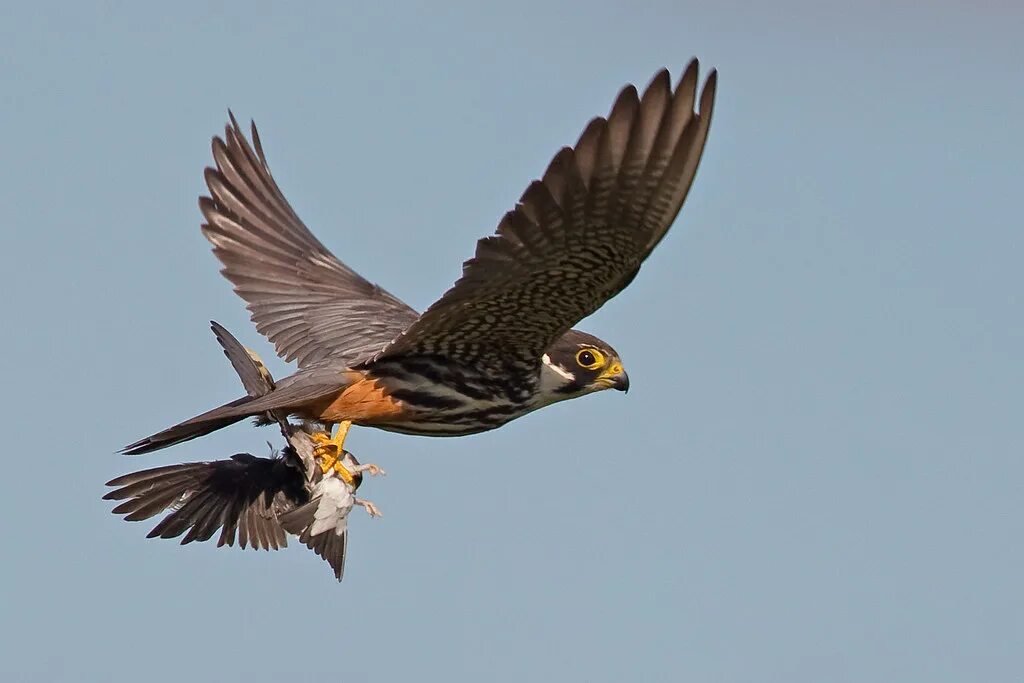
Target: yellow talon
{"x":324,"y":450}
{"x":339,"y":436}
{"x":329,"y":451}
{"x":343,"y":472}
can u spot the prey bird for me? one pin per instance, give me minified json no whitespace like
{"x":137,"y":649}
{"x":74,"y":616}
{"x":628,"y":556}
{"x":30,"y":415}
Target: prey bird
{"x":259,"y":500}
{"x":500,"y":342}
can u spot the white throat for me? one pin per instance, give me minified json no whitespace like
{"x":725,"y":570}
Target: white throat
{"x":552,"y":378}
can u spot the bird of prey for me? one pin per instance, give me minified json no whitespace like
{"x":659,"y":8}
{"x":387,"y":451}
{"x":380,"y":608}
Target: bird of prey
{"x":262,"y":500}
{"x":500,"y":342}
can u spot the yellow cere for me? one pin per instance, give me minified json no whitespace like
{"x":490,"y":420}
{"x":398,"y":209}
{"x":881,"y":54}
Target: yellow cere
{"x":612,"y":371}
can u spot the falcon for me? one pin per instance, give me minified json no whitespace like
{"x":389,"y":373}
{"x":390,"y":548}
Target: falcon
{"x":499,"y":343}
{"x":261,"y":500}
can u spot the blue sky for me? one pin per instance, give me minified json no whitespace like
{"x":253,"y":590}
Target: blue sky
{"x":817,"y":474}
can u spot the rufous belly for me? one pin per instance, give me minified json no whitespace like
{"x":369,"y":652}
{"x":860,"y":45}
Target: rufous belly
{"x":364,"y":402}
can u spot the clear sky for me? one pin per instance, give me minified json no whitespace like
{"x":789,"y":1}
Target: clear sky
{"x":818,"y":472}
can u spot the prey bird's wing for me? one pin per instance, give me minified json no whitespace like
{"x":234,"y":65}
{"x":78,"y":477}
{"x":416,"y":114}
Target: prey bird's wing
{"x":243,"y":496}
{"x":254,"y":375}
{"x":307,"y":302}
{"x":578,"y":236}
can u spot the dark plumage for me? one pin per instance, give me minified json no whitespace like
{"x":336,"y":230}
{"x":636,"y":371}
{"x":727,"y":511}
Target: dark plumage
{"x":261,"y":500}
{"x":243,"y":493}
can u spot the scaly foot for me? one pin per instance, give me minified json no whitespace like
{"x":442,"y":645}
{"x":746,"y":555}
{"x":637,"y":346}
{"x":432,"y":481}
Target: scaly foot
{"x":329,"y":451}
{"x":370,"y":508}
{"x":348,"y":473}
{"x":373,"y":470}
{"x":326,"y":453}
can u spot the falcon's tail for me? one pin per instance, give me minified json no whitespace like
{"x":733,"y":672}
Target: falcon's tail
{"x":200,"y":425}
{"x":288,"y":394}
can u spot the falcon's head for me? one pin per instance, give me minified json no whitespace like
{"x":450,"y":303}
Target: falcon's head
{"x":579,"y":363}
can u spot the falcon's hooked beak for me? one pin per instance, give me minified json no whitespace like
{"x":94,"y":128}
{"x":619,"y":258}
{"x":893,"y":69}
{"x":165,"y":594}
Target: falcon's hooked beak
{"x":614,"y":376}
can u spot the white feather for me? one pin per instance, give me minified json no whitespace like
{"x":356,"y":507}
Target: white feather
{"x":336,"y":501}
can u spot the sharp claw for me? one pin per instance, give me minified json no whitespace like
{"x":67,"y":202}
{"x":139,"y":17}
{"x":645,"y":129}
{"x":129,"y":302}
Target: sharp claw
{"x":327,"y":456}
{"x":326,"y":453}
{"x":320,"y":438}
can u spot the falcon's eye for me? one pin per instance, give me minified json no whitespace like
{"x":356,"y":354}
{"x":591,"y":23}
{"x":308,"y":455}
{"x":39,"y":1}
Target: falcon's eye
{"x":589,"y":359}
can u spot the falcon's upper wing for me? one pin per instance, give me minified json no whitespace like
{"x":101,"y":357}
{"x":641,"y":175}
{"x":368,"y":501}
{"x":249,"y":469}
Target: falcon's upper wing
{"x":306,"y":301}
{"x":578,"y":236}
